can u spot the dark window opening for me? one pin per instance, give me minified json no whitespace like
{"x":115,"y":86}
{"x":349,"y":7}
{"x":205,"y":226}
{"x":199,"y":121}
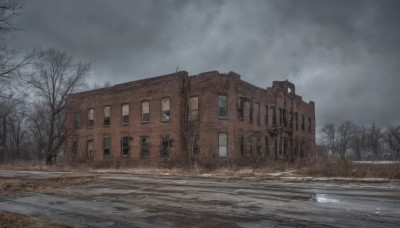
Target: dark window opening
{"x":145,"y":111}
{"x":241,"y":146}
{"x":106,"y":121}
{"x":125,"y":147}
{"x":106,"y":146}
{"x":302,"y":122}
{"x":296,"y":119}
{"x":266,"y":115}
{"x":258,"y":118}
{"x":195,"y":145}
{"x":74,"y":150}
{"x":309,"y":124}
{"x":240,"y":108}
{"x":77,"y":119}
{"x":266,"y":146}
{"x":280,"y":117}
{"x":280,"y":145}
{"x":258,"y":145}
{"x":251,"y":112}
{"x":91,"y":118}
{"x":165,"y":143}
{"x":144,"y":146}
{"x":222,"y":108}
{"x":273,"y":115}
{"x":291,"y":120}
{"x":90,"y":148}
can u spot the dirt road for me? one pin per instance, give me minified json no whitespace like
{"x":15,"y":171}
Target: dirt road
{"x":126,"y":200}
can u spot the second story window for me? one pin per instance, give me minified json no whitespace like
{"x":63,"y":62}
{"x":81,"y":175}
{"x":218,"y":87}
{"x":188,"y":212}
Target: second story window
{"x":266,"y":115}
{"x":302,"y":122}
{"x":240,"y":108}
{"x":257,"y":107}
{"x":296,"y":119}
{"x":194,"y":107}
{"x":165,"y":109}
{"x":251,"y":112}
{"x":90,"y":148}
{"x":222,"y":109}
{"x":77,"y":119}
{"x":145,"y":111}
{"x":107,"y":110}
{"x":309,"y":125}
{"x":91,"y":117}
{"x":106,"y":146}
{"x":273,"y":115}
{"x":125,"y":113}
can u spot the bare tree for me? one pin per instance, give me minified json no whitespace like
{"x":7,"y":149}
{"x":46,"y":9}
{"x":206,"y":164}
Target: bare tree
{"x":375,"y":141}
{"x":56,"y":76}
{"x":359,"y":143}
{"x":392,"y":140}
{"x":345,"y":133}
{"x":329,"y":136}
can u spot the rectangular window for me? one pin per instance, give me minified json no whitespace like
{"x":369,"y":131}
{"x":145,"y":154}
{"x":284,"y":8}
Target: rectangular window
{"x":222,"y":110}
{"x":106,"y":146}
{"x":107,"y":110}
{"x":144,"y":146}
{"x":251,"y":112}
{"x":223,"y":144}
{"x":273,"y":115}
{"x":302,"y":123}
{"x":195,"y":144}
{"x":145,"y":111}
{"x":291,"y":120}
{"x":77,"y":119}
{"x":296,"y":119}
{"x":74,"y":150}
{"x":90,"y":148}
{"x":165,"y":146}
{"x":91,"y":117}
{"x":266,"y":146}
{"x":194,"y":107}
{"x":165,"y":105}
{"x":257,"y":108}
{"x":280,"y":117}
{"x":258,"y":145}
{"x":241,"y":146}
{"x":284,"y":117}
{"x":125,"y":147}
{"x":125,"y":113}
{"x":266,"y":115}
{"x":240,"y":108}
{"x":309,"y":125}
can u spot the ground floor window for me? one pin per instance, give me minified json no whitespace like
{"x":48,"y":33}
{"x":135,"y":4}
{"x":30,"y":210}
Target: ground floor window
{"x":125,"y":145}
{"x":144,"y":146}
{"x":106,"y":146}
{"x":165,"y":146}
{"x":90,"y":148}
{"x":223,"y":144}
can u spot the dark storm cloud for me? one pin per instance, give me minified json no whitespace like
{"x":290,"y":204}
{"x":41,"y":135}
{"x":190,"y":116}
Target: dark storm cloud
{"x":344,"y":55}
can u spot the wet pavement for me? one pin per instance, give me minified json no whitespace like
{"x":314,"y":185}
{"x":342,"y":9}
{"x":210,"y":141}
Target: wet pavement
{"x":127,"y":200}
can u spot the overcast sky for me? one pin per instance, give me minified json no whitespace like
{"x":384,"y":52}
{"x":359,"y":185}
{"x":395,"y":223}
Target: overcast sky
{"x":344,"y":55}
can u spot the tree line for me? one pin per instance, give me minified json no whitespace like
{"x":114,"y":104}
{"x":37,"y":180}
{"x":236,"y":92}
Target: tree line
{"x":350,"y":141}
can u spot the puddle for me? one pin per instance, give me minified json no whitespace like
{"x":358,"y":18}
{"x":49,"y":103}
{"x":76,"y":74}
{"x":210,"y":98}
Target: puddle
{"x":323,"y":198}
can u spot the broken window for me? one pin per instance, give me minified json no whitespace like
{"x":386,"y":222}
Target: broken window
{"x":258,"y":145}
{"x":302,"y":122}
{"x":77,"y":119}
{"x":240,"y":108}
{"x":145,"y":111}
{"x":284,"y":117}
{"x":125,"y":147}
{"x":249,"y":144}
{"x":194,"y":107}
{"x":125,"y":113}
{"x":222,"y":110}
{"x":251,"y":112}
{"x":257,"y":108}
{"x":107,"y":110}
{"x":195,"y":144}
{"x":144,"y":146}
{"x":309,"y":124}
{"x":280,"y":117}
{"x":165,"y":105}
{"x":91,"y":117}
{"x":106,"y":146}
{"x":273,"y":115}
{"x":291,"y":120}
{"x":266,"y":115}
{"x":74,"y":149}
{"x":222,"y":144}
{"x":90,"y":148}
{"x":165,"y":146}
{"x":241,"y":142}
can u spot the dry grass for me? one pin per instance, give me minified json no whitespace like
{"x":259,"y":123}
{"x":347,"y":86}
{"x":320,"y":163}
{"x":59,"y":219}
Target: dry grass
{"x":15,"y":220}
{"x":18,"y":186}
{"x":349,"y":169}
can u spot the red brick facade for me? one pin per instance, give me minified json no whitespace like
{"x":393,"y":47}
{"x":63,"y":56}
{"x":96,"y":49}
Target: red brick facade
{"x":210,"y":115}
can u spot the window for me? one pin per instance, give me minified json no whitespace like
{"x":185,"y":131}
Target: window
{"x":195,"y":144}
{"x":258,"y":145}
{"x":125,"y":145}
{"x":291,"y":120}
{"x":77,"y":119}
{"x":251,"y":112}
{"x":223,"y":144}
{"x":296,"y":119}
{"x":91,"y":118}
{"x":273,"y":115}
{"x":284,"y":117}
{"x":90,"y":148}
{"x":266,"y":115}
{"x":144,"y":146}
{"x":165,"y":146}
{"x":309,"y":124}
{"x":106,"y":146}
{"x":107,"y":110}
{"x":266,"y":146}
{"x":280,"y":117}
{"x":240,"y":108}
{"x":241,"y":146}
{"x":125,"y":113}
{"x":165,"y":103}
{"x":74,"y":149}
{"x":145,"y":111}
{"x":222,"y":110}
{"x":194,"y":107}
{"x":257,"y":108}
{"x":302,"y":122}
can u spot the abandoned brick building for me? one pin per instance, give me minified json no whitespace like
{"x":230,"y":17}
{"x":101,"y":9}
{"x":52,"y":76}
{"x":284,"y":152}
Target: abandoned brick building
{"x":211,"y":114}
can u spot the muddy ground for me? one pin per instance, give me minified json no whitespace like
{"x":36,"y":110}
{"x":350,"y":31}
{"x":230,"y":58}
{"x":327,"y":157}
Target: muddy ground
{"x":80,"y":199}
